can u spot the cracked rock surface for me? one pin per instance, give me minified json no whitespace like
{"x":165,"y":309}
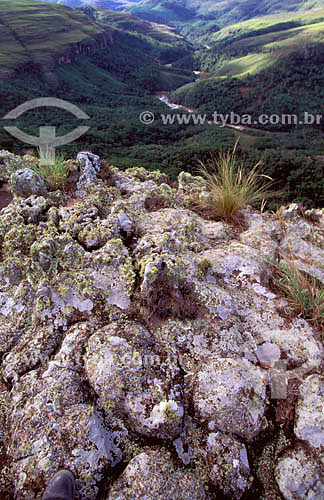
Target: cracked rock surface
{"x":138,"y":343}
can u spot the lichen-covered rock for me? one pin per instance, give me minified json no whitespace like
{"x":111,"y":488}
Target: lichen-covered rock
{"x":4,"y":413}
{"x":127,"y":318}
{"x":309,"y":420}
{"x":182,"y":223}
{"x":87,"y":217}
{"x":298,"y":477}
{"x":263,"y":233}
{"x":32,"y":209}
{"x":51,"y":425}
{"x":300,"y":344}
{"x":89,"y":167}
{"x":228,"y":465}
{"x":146,"y":190}
{"x":229,"y":395}
{"x":26,"y":182}
{"x":220,"y":460}
{"x":304,"y":241}
{"x":94,"y":236}
{"x":151,"y":475}
{"x":9,"y":163}
{"x":132,"y":381}
{"x":141,"y":174}
{"x":189,"y":185}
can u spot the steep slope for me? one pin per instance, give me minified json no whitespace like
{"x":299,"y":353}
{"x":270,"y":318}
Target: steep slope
{"x":39,"y":34}
{"x":58,"y":52}
{"x":128,"y":22}
{"x":223,"y":11}
{"x":163,"y":42}
{"x":254,"y":45}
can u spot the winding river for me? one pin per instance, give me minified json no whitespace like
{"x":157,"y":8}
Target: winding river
{"x":164,"y":97}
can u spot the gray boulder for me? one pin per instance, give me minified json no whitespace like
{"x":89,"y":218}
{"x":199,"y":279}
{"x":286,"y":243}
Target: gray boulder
{"x":25,"y":182}
{"x":298,"y":477}
{"x":309,"y":421}
{"x":133,"y":382}
{"x":229,"y":395}
{"x":152,"y":476}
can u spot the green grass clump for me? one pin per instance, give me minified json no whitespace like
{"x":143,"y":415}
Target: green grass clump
{"x":305,"y":295}
{"x":231,"y":187}
{"x":204,"y":265}
{"x":54,"y":175}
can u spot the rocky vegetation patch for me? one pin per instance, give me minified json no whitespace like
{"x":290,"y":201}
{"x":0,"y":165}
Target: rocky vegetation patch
{"x":146,"y":349}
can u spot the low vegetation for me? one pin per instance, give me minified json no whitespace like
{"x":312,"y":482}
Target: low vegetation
{"x":231,"y":186}
{"x":55,"y":175}
{"x":304,"y":293}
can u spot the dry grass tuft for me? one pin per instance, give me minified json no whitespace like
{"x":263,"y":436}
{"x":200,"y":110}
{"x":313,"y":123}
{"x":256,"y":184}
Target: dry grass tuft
{"x":231,"y":187}
{"x":304,"y":293}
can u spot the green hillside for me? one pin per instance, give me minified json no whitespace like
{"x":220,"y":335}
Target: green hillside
{"x":252,"y":47}
{"x":38,"y":36}
{"x":224,"y":12}
{"x":128,"y":22}
{"x":22,"y":41}
{"x":162,"y":42}
{"x":255,"y":45}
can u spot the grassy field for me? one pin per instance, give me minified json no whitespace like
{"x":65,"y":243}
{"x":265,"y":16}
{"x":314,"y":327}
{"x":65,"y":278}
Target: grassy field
{"x":22,"y":41}
{"x":253,"y":46}
{"x":270,"y":53}
{"x":275,"y":22}
{"x":33,"y":34}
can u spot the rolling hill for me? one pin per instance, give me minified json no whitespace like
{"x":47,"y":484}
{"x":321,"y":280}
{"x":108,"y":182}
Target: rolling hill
{"x":224,"y":12}
{"x":43,"y":36}
{"x":257,"y":44}
{"x":165,"y":43}
{"x":111,"y":73}
{"x":271,"y":65}
{"x":23,"y":42}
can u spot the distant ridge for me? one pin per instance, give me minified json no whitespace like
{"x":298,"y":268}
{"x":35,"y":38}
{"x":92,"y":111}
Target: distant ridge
{"x":106,"y":4}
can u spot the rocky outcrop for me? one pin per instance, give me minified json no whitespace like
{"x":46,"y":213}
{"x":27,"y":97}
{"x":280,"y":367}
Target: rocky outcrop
{"x":83,"y":48}
{"x":26,"y":182}
{"x":140,"y":344}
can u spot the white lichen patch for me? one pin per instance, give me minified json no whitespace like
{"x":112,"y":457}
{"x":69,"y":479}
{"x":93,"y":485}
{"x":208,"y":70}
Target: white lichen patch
{"x":232,"y":394}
